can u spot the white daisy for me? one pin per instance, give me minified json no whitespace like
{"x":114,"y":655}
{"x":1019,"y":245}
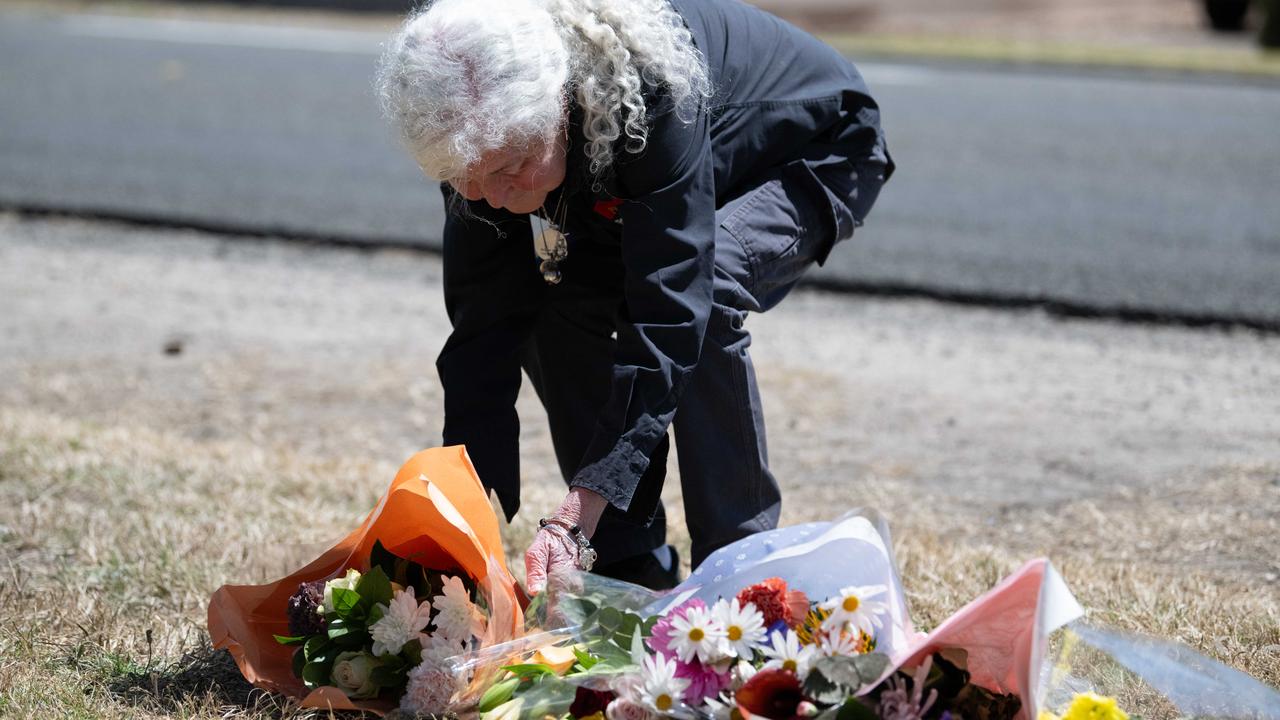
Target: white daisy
{"x":697,"y":633}
{"x":662,"y":690}
{"x":743,"y":626}
{"x":457,"y":618}
{"x":403,"y":620}
{"x":843,"y":642}
{"x":721,"y":708}
{"x":786,"y":653}
{"x":853,"y":607}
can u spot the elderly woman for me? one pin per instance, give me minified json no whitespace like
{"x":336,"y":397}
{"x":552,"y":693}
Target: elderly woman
{"x":625,"y":180}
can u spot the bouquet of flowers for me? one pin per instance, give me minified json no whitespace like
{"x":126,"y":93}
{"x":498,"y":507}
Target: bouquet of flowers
{"x":810,"y":622}
{"x":416,"y":610}
{"x":373,"y":622}
{"x":367,"y":633}
{"x":767,"y":652}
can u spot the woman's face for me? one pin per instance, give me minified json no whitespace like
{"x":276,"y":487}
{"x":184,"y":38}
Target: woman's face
{"x":515,"y":178}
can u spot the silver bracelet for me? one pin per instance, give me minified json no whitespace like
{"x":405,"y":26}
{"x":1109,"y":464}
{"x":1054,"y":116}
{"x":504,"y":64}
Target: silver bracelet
{"x":586,"y":554}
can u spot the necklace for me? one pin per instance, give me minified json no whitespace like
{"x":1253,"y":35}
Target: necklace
{"x":551,"y":244}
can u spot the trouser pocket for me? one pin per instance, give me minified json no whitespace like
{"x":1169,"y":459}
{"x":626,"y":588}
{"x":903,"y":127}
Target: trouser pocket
{"x":782,"y":225}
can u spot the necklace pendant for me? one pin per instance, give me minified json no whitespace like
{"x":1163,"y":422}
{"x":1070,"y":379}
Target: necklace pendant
{"x":550,"y":272}
{"x":551,"y":243}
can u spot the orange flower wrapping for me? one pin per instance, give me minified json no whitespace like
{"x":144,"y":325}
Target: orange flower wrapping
{"x":436,"y":513}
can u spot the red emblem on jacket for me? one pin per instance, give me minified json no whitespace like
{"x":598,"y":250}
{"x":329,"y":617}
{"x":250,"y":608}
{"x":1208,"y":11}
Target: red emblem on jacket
{"x":608,"y":208}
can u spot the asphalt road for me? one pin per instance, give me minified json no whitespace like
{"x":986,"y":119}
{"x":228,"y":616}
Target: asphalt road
{"x":1114,"y":194}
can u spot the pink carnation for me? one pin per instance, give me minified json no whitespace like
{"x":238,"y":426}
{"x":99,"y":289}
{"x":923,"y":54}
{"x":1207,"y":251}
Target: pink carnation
{"x":704,"y":680}
{"x":430,"y":689}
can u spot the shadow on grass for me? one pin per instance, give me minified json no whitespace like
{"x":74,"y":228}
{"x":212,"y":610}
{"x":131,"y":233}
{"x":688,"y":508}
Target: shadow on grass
{"x":203,"y":677}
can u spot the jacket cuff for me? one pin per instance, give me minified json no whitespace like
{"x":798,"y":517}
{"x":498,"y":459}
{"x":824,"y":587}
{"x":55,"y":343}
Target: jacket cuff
{"x":614,"y":476}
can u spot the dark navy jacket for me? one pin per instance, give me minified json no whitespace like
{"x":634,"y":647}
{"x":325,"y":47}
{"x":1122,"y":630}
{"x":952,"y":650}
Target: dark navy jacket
{"x":779,"y":94}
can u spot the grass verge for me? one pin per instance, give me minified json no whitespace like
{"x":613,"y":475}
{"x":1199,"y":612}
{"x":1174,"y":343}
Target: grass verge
{"x":115,"y":537}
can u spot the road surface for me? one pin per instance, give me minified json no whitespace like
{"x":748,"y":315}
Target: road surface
{"x":1107,"y":194}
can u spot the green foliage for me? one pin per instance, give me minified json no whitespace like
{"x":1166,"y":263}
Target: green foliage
{"x":348,"y":637}
{"x":833,"y":679}
{"x":609,"y":637}
{"x":316,"y":674}
{"x":585,"y":659}
{"x":316,"y":645}
{"x":389,"y":676}
{"x":290,"y":639}
{"x":374,"y":587}
{"x":530,"y":671}
{"x":318,"y":654}
{"x":299,"y":662}
{"x":497,"y":694}
{"x":850,"y":709}
{"x":345,"y":602}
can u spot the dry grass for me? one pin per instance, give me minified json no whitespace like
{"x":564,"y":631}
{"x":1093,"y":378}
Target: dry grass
{"x":114,"y":538}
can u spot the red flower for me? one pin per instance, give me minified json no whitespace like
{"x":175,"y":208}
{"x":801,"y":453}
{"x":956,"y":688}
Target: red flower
{"x":772,"y":598}
{"x":772,"y":694}
{"x":587,"y":702}
{"x":608,"y":208}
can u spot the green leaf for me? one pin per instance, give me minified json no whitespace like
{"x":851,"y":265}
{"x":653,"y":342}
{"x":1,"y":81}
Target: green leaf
{"x":316,"y":674}
{"x":345,"y":602}
{"x":497,"y":694}
{"x":610,"y":621}
{"x":388,"y":677}
{"x":850,"y":673}
{"x":608,"y":654}
{"x":346,"y":634}
{"x":351,"y":638}
{"x":585,"y":659}
{"x":855,"y":709}
{"x":822,"y":690}
{"x":315,"y":645}
{"x":530,"y":671}
{"x":381,"y":557}
{"x":299,"y":662}
{"x":586,"y":607}
{"x":290,"y":639}
{"x":374,"y":587}
{"x":395,"y":662}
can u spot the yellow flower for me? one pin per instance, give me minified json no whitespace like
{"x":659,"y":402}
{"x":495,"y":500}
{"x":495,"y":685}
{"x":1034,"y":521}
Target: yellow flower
{"x":559,"y":659}
{"x":1046,"y":715}
{"x":811,"y":627}
{"x":1088,"y":706}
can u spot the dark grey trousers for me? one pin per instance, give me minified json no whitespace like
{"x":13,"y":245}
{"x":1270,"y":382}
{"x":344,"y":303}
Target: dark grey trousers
{"x":767,"y":237}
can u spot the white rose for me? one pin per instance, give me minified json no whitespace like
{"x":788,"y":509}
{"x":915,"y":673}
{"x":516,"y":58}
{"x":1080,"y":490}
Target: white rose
{"x":346,"y":583}
{"x":352,"y":674}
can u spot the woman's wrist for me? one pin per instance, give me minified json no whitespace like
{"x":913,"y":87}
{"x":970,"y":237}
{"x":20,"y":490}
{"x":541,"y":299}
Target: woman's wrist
{"x":582,"y":507}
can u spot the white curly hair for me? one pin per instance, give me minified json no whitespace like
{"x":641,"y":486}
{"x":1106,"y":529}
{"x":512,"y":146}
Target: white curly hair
{"x":463,"y":77}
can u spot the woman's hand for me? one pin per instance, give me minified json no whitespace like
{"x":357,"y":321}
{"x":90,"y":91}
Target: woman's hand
{"x":552,"y":551}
